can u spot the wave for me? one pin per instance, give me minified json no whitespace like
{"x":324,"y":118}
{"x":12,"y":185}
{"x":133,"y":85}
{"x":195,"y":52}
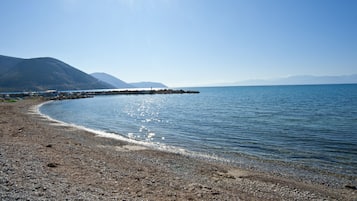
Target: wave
{"x":147,"y":144}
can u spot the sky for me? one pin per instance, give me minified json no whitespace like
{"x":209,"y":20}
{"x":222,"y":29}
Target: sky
{"x":186,"y":42}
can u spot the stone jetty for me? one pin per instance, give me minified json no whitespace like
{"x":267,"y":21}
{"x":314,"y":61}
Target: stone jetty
{"x":62,"y":95}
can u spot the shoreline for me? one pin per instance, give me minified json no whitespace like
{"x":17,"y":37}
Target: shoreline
{"x":41,"y":159}
{"x":294,"y":171}
{"x":115,"y":136}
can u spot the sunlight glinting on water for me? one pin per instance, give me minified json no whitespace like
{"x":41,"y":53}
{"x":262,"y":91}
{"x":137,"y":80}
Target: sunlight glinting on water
{"x":305,"y":126}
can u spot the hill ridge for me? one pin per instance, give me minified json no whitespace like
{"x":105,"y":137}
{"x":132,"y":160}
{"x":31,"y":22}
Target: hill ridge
{"x":43,"y":73}
{"x":121,"y":84}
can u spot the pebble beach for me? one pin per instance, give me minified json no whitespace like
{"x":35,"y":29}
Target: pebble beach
{"x":43,"y":160}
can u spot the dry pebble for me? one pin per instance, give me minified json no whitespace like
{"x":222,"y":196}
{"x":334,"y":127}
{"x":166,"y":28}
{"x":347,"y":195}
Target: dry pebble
{"x":43,"y":160}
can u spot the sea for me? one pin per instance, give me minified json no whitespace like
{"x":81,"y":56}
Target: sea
{"x":307,"y":132}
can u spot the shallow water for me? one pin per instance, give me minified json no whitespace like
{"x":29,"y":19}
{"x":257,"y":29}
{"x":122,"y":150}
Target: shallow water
{"x":308,"y":130}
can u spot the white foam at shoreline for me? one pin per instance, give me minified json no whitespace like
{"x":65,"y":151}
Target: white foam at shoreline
{"x":154,"y":145}
{"x":36,"y":109}
{"x":257,"y":165}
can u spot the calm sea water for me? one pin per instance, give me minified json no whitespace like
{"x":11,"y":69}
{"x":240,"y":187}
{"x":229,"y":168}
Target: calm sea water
{"x":306,"y":130}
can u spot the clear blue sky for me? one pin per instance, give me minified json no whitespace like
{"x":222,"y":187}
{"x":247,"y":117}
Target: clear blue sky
{"x":186,"y":42}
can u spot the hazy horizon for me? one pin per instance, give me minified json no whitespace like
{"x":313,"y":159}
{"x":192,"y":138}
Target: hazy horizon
{"x":186,"y":43}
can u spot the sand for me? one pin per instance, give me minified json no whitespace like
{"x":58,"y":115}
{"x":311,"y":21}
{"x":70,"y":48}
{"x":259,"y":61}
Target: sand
{"x":43,"y":160}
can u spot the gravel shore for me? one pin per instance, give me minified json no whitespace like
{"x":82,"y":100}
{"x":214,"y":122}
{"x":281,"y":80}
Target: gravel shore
{"x":43,"y":160}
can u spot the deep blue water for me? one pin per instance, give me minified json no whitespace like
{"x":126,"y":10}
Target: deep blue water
{"x":309,"y":128}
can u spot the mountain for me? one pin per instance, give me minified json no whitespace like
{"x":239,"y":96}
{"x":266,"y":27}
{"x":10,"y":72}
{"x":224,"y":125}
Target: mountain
{"x":121,"y":84}
{"x":117,"y":83}
{"x":45,"y":73}
{"x":7,"y":62}
{"x":303,"y":79}
{"x":148,"y":85}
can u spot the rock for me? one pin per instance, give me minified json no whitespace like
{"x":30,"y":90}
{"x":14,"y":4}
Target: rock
{"x":351,"y":187}
{"x":52,"y":165}
{"x":215,"y":193}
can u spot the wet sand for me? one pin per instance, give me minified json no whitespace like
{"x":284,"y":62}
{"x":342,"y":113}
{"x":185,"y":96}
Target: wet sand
{"x":43,"y":160}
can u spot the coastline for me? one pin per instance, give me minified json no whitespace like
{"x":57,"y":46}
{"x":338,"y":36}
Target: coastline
{"x":41,"y":159}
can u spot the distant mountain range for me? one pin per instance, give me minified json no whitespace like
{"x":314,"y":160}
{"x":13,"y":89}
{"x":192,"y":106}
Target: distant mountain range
{"x":40,"y":74}
{"x":121,"y":84}
{"x":303,"y":80}
{"x":45,"y":73}
{"x":148,"y":85}
{"x":116,"y":82}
